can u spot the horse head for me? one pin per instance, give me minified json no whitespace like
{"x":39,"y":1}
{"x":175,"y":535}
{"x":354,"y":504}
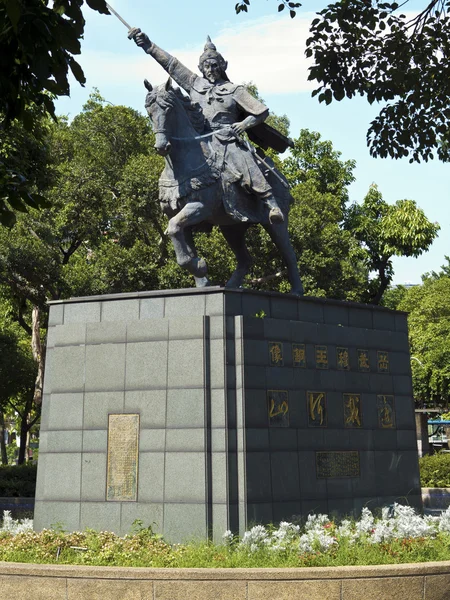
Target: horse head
{"x":159,"y":103}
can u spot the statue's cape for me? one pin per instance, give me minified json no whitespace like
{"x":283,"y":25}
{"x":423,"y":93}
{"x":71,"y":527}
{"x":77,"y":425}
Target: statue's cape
{"x":265,"y":136}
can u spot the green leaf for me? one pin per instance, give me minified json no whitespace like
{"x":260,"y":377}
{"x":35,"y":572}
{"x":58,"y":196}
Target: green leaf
{"x":77,"y":71}
{"x":98,"y":5}
{"x":13,"y":11}
{"x":280,"y":7}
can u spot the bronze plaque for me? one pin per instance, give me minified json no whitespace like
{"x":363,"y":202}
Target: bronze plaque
{"x":278,"y":407}
{"x":123,"y":448}
{"x":337,"y":464}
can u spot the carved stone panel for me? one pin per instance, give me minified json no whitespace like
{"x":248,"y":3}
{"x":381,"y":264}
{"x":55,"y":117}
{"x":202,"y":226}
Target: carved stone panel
{"x":122,"y":467}
{"x":337,"y":464}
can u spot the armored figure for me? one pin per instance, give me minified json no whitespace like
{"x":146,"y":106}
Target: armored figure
{"x":228,"y":110}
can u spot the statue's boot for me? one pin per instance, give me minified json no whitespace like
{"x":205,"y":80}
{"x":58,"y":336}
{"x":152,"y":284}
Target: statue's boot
{"x":275,"y":214}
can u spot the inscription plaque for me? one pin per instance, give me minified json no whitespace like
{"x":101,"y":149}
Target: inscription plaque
{"x":299,"y":355}
{"x":337,"y":464}
{"x":321,"y":357}
{"x":352,"y":410}
{"x":342,"y":359}
{"x":363,"y":361}
{"x":278,"y":406}
{"x":383,"y":361}
{"x":317,"y":409}
{"x":123,"y":448}
{"x":275,"y":354}
{"x":386,"y":412}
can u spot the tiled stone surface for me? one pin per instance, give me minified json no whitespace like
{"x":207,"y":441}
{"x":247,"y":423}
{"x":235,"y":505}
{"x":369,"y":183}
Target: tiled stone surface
{"x":294,"y":590}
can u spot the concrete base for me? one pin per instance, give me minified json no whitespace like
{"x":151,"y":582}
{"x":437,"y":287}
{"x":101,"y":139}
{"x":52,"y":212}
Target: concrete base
{"x":243,"y":419}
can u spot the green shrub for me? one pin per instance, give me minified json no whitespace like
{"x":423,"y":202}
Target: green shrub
{"x":435,"y":470}
{"x":18,"y":481}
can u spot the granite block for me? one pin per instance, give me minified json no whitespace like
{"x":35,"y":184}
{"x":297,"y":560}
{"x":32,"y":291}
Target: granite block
{"x":360,"y":439}
{"x":183,"y":522}
{"x":314,"y":507}
{"x":120,"y":310}
{"x":60,"y":441}
{"x":359,"y":503}
{"x":406,"y":440}
{"x":185,"y":477}
{"x":286,"y":511}
{"x":95,"y":589}
{"x":284,"y":308}
{"x":64,"y":371}
{"x":146,"y":331}
{"x":56,"y":315}
{"x":220,"y":520}
{"x":151,"y":308}
{"x":385,"y":439}
{"x":383,"y":588}
{"x":185,"y":440}
{"x":369,"y":411}
{"x":310,"y":439}
{"x":384,"y":319}
{"x":253,"y":304}
{"x":401,"y":323}
{"x":336,"y":439}
{"x":95,"y":440}
{"x":186,"y":408}
{"x":306,"y":379}
{"x":403,"y":385}
{"x":97,"y":406}
{"x":256,"y":352}
{"x":105,"y":368}
{"x":151,"y":477}
{"x":285,"y":476}
{"x":277,"y":330}
{"x":21,"y":587}
{"x":186,"y":328}
{"x":51,"y":514}
{"x":101,"y":516}
{"x":257,"y":439}
{"x":382,"y":384}
{"x":340,"y":507}
{"x":437,"y":587}
{"x":310,"y":486}
{"x":295,"y":590}
{"x":233,"y":303}
{"x":256,"y":408}
{"x":215,"y":304}
{"x":72,"y":334}
{"x":218,"y":440}
{"x":62,"y":411}
{"x":82,"y":312}
{"x":304,"y":332}
{"x":149,"y":404}
{"x":399,"y":342}
{"x":282,"y":439}
{"x":253,"y":328}
{"x":200,"y":590}
{"x":279,"y":378}
{"x":150,"y":515}
{"x":255,"y":377}
{"x":261,"y":512}
{"x":59,"y":477}
{"x":361,"y":317}
{"x":217,"y":328}
{"x":146,"y":365}
{"x":184,"y":306}
{"x":259,"y":488}
{"x":365,"y":485}
{"x":311,"y":311}
{"x":298,"y":417}
{"x":386,"y":471}
{"x":152,"y":440}
{"x":408,"y":471}
{"x":339,"y":487}
{"x":106,"y":333}
{"x":219,"y":478}
{"x":400,"y":363}
{"x":218,"y":408}
{"x":404,"y":412}
{"x":336,"y":315}
{"x":356,"y":382}
{"x":217,"y":364}
{"x":93,"y":477}
{"x":186,"y":368}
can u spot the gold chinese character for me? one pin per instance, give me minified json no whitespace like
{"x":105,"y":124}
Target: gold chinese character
{"x":386,"y":411}
{"x":299,"y":354}
{"x":276,"y":354}
{"x":321,"y":356}
{"x":281,"y":409}
{"x":383,"y":362}
{"x":342,"y":358}
{"x":352,"y":410}
{"x":316,"y":409}
{"x":363,"y":360}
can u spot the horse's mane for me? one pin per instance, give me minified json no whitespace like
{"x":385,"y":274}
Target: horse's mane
{"x":164,"y":98}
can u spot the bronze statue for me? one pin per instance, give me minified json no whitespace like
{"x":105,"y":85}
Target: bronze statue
{"x":212,"y":174}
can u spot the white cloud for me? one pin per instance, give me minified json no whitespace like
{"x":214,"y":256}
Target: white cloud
{"x":268,"y":52}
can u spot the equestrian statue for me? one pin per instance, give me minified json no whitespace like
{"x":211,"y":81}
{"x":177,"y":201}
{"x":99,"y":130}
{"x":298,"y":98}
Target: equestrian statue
{"x":212,"y":174}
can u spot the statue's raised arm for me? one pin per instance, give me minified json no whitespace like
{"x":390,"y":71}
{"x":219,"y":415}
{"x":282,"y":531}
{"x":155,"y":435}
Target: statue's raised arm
{"x":181,"y":74}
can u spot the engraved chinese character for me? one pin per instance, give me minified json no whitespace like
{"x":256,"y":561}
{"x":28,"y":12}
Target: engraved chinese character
{"x":386,"y":415}
{"x":276,"y":354}
{"x":278,"y":406}
{"x":343,"y":361}
{"x":299,"y":355}
{"x":317,"y":416}
{"x":383,"y":362}
{"x":321,"y":357}
{"x":363,"y":360}
{"x":352,"y":410}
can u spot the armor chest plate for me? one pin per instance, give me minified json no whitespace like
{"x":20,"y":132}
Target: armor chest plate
{"x":218,"y":105}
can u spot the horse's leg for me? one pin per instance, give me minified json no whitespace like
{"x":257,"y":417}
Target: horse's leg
{"x":235,"y":236}
{"x":191,"y":214}
{"x":189,"y":237}
{"x":280,"y":237}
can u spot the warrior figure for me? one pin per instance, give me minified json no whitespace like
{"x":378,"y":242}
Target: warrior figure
{"x":228,"y":110}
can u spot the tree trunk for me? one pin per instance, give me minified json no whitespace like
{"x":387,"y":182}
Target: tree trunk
{"x":38,"y":353}
{"x":3,"y":439}
{"x":24,"y":428}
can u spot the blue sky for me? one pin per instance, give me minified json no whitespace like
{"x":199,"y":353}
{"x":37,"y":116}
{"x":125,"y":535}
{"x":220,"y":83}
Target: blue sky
{"x":267,"y":48}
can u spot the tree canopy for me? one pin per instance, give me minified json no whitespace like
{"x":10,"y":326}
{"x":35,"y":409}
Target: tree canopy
{"x":377,"y":50}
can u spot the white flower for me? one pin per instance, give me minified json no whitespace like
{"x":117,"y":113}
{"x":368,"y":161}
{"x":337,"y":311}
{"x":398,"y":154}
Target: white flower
{"x":13,"y":526}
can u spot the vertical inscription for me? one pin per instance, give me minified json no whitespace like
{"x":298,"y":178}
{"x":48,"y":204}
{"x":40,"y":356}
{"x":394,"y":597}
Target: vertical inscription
{"x":123,"y":448}
{"x":276,"y":354}
{"x":299,"y":355}
{"x":383,"y":361}
{"x":321,"y":357}
{"x":337,"y":464}
{"x":352,"y":410}
{"x":317,"y":409}
{"x":363,"y":360}
{"x":342,"y":359}
{"x":386,"y":414}
{"x":278,"y":406}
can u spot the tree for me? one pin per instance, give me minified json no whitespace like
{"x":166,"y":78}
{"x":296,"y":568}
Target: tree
{"x":384,"y":230}
{"x":374,"y":50}
{"x":429,"y":331}
{"x":37,"y":47}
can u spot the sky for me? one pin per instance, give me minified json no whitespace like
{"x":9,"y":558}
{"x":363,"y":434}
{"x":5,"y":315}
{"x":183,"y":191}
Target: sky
{"x":267,"y":48}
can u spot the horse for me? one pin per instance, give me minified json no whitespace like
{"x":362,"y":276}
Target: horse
{"x":194,"y":190}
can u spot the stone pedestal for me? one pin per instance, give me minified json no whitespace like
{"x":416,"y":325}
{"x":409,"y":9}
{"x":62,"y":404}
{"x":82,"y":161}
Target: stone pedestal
{"x":184,"y":409}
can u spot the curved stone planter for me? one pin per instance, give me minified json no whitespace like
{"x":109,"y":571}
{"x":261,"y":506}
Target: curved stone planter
{"x":423,"y":581}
